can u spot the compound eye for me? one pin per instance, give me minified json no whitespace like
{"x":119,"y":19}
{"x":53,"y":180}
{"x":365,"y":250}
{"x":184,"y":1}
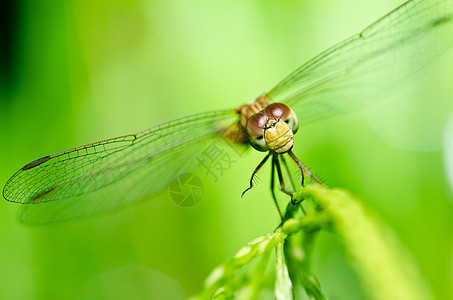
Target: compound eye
{"x":278,"y":111}
{"x":255,"y":131}
{"x":292,"y":121}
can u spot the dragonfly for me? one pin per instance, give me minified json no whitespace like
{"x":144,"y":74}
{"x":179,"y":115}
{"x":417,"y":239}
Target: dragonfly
{"x":114,"y":173}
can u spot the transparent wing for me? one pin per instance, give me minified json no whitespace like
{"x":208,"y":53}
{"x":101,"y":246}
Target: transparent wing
{"x":358,"y":70}
{"x":114,"y":173}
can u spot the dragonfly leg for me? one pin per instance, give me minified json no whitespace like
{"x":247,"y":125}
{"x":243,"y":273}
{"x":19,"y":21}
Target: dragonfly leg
{"x":282,"y":184}
{"x":285,"y":165}
{"x":280,"y":176}
{"x":313,"y":176}
{"x":273,"y":190}
{"x":256,"y":171}
{"x":299,"y":164}
{"x":303,"y":170}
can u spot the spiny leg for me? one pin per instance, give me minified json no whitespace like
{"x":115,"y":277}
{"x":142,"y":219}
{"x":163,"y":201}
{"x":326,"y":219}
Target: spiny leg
{"x":280,"y":175}
{"x":312,"y":176}
{"x":299,"y":164}
{"x":285,"y":165}
{"x":273,"y":190}
{"x":304,"y":170}
{"x":256,"y":171}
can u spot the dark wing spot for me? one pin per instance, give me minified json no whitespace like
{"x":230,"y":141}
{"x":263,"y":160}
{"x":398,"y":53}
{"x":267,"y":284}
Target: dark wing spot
{"x":260,"y":137}
{"x":440,"y":21}
{"x":38,"y":197}
{"x":36,"y":163}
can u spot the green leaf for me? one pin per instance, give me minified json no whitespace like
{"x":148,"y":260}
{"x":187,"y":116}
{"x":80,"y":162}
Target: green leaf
{"x":385,"y":269}
{"x":283,"y":285}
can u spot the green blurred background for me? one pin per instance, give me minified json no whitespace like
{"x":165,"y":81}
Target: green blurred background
{"x":79,"y":71}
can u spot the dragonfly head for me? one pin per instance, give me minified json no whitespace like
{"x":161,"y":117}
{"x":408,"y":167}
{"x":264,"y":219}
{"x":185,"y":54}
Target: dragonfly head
{"x":272,"y":128}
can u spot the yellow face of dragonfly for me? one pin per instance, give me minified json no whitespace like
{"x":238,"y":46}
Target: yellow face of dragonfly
{"x":273,"y":128}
